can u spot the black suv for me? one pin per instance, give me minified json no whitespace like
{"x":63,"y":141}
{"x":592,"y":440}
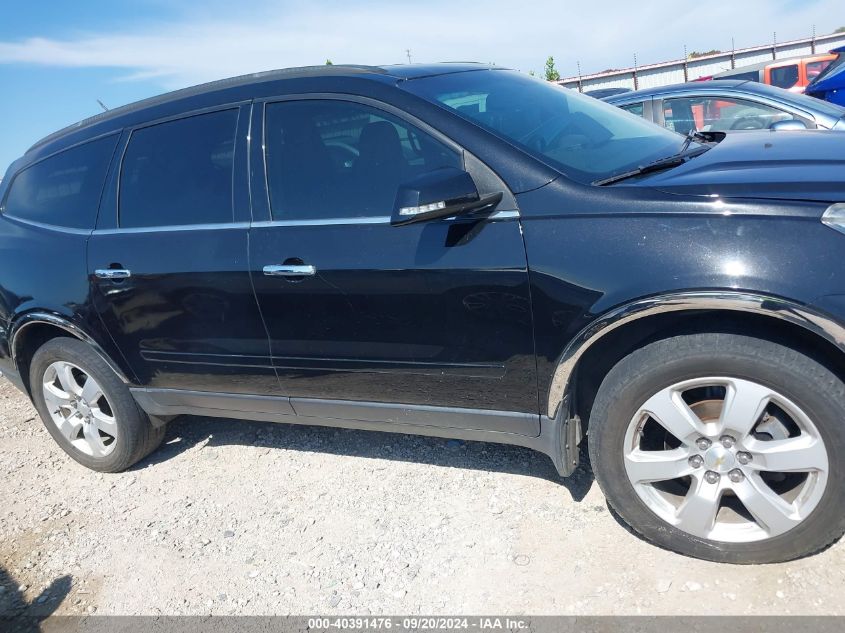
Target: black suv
{"x":450,"y":250}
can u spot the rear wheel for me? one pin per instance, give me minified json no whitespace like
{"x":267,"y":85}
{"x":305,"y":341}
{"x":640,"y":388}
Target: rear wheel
{"x":87,"y":409}
{"x":723,"y":447}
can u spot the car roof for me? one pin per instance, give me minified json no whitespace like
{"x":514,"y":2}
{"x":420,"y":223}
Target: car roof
{"x":399,"y":72}
{"x":715,"y":84}
{"x":771,"y":63}
{"x":419,"y":71}
{"x":792,"y":61}
{"x":732,"y":87}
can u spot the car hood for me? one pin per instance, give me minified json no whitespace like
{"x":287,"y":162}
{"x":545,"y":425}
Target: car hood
{"x":784,"y":165}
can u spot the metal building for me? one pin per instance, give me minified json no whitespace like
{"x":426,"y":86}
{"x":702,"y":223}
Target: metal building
{"x":680,"y":70}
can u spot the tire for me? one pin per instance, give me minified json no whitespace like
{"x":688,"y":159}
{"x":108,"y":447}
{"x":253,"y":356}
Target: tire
{"x":802,"y":398}
{"x":134,"y":437}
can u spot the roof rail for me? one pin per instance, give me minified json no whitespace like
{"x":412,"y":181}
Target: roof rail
{"x":211,"y":86}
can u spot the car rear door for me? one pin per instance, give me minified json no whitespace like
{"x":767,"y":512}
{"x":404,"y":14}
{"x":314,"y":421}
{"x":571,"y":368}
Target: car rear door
{"x":371,"y":321}
{"x":168,"y":260}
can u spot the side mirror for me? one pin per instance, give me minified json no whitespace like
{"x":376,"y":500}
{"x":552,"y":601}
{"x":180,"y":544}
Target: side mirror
{"x":788,"y":124}
{"x":440,"y":193}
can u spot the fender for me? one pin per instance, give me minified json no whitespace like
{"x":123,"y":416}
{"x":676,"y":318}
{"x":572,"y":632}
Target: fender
{"x":775,"y":307}
{"x":31,"y":318}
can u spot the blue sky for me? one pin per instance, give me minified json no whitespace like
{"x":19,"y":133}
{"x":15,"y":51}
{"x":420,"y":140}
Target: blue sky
{"x":58,"y":57}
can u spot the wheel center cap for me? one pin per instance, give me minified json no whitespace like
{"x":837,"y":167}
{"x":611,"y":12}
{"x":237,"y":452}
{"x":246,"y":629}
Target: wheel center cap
{"x":719,"y":458}
{"x":84,"y":409}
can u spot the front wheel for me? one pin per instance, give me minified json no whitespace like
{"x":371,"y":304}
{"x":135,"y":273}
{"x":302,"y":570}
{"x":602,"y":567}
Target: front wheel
{"x":723,"y":447}
{"x":87,"y":409}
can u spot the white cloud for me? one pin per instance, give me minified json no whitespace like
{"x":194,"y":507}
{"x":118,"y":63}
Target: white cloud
{"x":520,"y":35}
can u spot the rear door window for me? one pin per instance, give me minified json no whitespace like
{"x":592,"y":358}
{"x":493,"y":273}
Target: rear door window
{"x":784,"y":76}
{"x":179,"y":172}
{"x":63,"y":190}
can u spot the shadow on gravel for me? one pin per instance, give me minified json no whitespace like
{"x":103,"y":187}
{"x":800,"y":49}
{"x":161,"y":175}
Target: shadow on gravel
{"x":186,"y":432}
{"x":17,"y":615}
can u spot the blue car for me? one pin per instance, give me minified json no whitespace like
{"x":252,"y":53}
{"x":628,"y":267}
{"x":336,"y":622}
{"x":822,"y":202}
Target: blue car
{"x":830,"y":83}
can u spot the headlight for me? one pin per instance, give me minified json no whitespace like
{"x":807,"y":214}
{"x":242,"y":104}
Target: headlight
{"x":834,"y":217}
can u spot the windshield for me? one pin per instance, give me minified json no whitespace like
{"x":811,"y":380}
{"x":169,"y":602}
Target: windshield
{"x":586,"y":139}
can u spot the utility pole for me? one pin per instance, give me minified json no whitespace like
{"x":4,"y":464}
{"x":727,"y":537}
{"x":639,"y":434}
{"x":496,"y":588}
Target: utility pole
{"x":636,"y":80}
{"x":580,"y":85}
{"x":733,"y":53}
{"x":686,"y":64}
{"x":408,"y":53}
{"x":103,"y":106}
{"x":813,"y":41}
{"x":775,"y":45}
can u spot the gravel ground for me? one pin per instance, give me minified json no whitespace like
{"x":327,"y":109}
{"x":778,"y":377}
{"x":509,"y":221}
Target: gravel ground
{"x":253,"y":518}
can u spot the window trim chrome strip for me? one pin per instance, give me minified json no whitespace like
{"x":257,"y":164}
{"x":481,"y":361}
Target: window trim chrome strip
{"x":378,"y":220}
{"x":368,"y":220}
{"x":46,"y":226}
{"x":176,"y":227}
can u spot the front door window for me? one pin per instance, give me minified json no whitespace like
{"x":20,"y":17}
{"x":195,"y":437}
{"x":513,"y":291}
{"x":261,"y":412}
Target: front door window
{"x":338,"y":159}
{"x":718,"y":114}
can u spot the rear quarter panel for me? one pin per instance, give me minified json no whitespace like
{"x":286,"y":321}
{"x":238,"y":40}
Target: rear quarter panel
{"x":43,"y":269}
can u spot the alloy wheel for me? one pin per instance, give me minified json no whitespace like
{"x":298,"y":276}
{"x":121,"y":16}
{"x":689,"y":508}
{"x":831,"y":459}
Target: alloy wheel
{"x":79,"y":409}
{"x":726,"y":459}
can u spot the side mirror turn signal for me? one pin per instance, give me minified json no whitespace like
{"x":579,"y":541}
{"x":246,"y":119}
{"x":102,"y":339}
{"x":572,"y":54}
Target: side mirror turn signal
{"x":440,"y":193}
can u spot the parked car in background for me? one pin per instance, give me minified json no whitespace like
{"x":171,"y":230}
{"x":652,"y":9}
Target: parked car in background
{"x":829,"y":85}
{"x":793,"y":74}
{"x":722,"y":106}
{"x":451,"y":250}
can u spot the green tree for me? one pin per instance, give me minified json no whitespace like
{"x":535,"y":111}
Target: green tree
{"x":696,"y":54}
{"x":841,"y":29}
{"x":551,"y":72}
{"x":329,"y":62}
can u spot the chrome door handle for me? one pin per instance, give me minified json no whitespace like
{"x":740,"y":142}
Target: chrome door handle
{"x":290,"y":270}
{"x":112,"y":273}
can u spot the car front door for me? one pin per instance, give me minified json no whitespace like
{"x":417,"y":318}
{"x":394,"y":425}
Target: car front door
{"x":376,"y":322}
{"x":168,"y":260}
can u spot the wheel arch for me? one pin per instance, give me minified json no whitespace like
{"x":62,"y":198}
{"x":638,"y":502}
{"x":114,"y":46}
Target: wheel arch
{"x":32,"y":329}
{"x":619,"y":331}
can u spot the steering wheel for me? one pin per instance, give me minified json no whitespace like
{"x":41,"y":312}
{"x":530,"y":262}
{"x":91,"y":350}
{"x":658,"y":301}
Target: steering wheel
{"x":535,"y":140}
{"x":748,"y":123}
